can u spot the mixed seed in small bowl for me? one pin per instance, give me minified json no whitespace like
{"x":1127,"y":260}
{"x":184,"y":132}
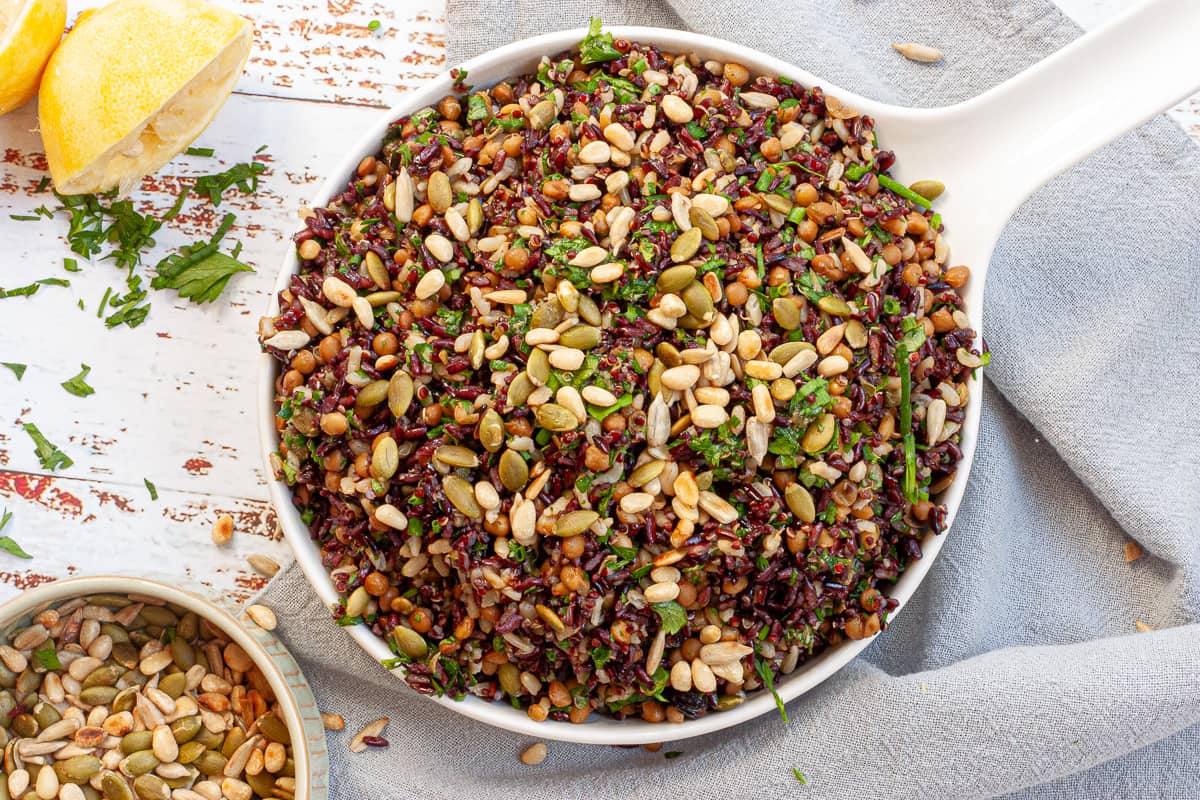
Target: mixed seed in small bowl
{"x":125,"y":689}
{"x":622,"y":388}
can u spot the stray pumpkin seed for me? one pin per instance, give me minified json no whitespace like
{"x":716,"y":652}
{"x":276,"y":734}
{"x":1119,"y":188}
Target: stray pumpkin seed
{"x":930,"y":190}
{"x":575,"y":522}
{"x":461,"y":494}
{"x":686,"y":245}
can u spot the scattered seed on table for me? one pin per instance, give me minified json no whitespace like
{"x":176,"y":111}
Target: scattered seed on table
{"x":918,"y":52}
{"x":332,"y":722}
{"x":1133,"y":551}
{"x":372,"y":730}
{"x":263,"y":565}
{"x":534,"y":754}
{"x":263,"y":617}
{"x":1143,"y":627}
{"x":222,"y":531}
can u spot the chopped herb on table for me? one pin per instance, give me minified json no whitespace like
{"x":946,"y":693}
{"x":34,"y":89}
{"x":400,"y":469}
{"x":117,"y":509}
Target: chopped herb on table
{"x":32,"y":288}
{"x":199,"y":271}
{"x":77,"y":385}
{"x":17,"y":369}
{"x":244,"y":176}
{"x":7,"y":544}
{"x":150,"y":488}
{"x":49,"y":456}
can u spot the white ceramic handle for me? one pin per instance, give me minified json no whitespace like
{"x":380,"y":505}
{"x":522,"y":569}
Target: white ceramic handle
{"x":1032,"y":127}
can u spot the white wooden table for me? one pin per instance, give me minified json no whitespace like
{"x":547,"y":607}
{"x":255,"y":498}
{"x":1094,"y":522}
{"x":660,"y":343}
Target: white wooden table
{"x":175,"y":397}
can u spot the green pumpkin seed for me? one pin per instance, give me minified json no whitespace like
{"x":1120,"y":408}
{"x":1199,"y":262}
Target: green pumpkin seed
{"x":654,"y":377}
{"x":554,"y":417}
{"x":233,"y":740}
{"x":930,"y":190}
{"x":377,"y":299}
{"x":474,"y":215}
{"x":77,"y":770}
{"x":98,"y":695}
{"x":174,"y":684}
{"x":491,"y":431}
{"x":728,"y":701}
{"x":115,"y":787}
{"x":646,"y":473}
{"x":538,"y":367}
{"x":574,"y":523}
{"x":188,"y":627}
{"x":113,"y":601}
{"x":705,"y":222}
{"x":139,"y":763}
{"x":514,"y":472}
{"x":125,"y":654}
{"x":778,"y":203}
{"x":411,"y":643}
{"x":25,"y":725}
{"x":589,"y":312}
{"x":461,"y":495}
{"x":819,"y":434}
{"x":699,"y":303}
{"x":189,"y":752}
{"x":385,"y":458}
{"x":274,"y":729}
{"x":151,"y":787}
{"x":262,"y":783}
{"x":210,"y":762}
{"x":184,"y":781}
{"x":510,"y":679}
{"x":212,"y":741}
{"x":546,"y":314}
{"x":7,"y":704}
{"x":399,"y":393}
{"x":185,"y":729}
{"x":115,"y":632}
{"x":786,"y":312}
{"x":371,"y":395}
{"x":542,"y":115}
{"x":8,"y":678}
{"x":125,"y":700}
{"x":788,"y":350}
{"x":377,"y":270}
{"x":856,"y":334}
{"x":581,"y":337}
{"x":46,"y":714}
{"x":834,"y":306}
{"x":686,"y":245}
{"x":675,"y":279}
{"x":438,"y":192}
{"x":159,"y":615}
{"x":456,"y":456}
{"x":519,"y":389}
{"x":669,"y":354}
{"x":800,"y":502}
{"x":104,"y":676}
{"x":28,"y":682}
{"x":135,"y":741}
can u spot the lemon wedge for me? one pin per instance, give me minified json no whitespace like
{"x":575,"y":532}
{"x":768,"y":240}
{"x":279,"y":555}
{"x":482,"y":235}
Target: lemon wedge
{"x":29,"y":32}
{"x":133,"y":84}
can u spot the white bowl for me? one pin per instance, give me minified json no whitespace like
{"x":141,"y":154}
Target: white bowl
{"x":490,"y":68}
{"x":269,"y":655}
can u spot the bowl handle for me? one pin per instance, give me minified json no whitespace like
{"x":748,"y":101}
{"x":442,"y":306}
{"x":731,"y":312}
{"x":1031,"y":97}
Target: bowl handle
{"x":1037,"y":124}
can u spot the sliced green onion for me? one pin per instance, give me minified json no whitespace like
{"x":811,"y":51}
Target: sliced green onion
{"x":902,"y":190}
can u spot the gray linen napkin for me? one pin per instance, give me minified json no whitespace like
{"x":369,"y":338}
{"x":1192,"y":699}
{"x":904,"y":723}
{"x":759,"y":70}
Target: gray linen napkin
{"x":1014,"y":670}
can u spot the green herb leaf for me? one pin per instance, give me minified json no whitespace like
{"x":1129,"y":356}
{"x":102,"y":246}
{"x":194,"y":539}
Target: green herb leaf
{"x":71,"y":265}
{"x":373,"y":25}
{"x":597,"y":47}
{"x":6,"y":543}
{"x":477,"y":108}
{"x":204,"y":152}
{"x":856,"y":171}
{"x":903,"y":191}
{"x":763,"y":667}
{"x":47,"y":657}
{"x":198,"y":271}
{"x":602,"y":413}
{"x":672,"y":615}
{"x":799,"y":776}
{"x":150,"y":488}
{"x":17,"y":369}
{"x":31,"y":289}
{"x":601,"y":656}
{"x":77,"y":385}
{"x":244,"y":176}
{"x":49,"y":456}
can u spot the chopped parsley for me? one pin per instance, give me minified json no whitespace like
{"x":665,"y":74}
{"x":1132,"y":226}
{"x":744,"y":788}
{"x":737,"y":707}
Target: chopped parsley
{"x":601,"y":656}
{"x":672,"y":615}
{"x":199,"y":271}
{"x":203,"y":152}
{"x":6,"y":543}
{"x":799,"y":776}
{"x":17,"y":369}
{"x":48,"y":455}
{"x":47,"y":657}
{"x":77,"y":385}
{"x":763,"y":667}
{"x":31,"y":289}
{"x":244,"y":176}
{"x":150,"y":488}
{"x":597,"y":47}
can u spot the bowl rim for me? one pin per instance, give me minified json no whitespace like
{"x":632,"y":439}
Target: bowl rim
{"x":27,"y":603}
{"x":597,"y":730}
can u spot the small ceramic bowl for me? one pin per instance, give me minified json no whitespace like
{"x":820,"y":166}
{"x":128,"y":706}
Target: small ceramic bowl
{"x":276,"y":663}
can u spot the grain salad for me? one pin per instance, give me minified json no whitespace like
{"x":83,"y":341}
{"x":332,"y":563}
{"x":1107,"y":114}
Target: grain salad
{"x":624,"y":387}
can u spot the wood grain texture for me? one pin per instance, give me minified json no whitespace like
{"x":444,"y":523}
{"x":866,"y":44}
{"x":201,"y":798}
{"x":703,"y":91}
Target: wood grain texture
{"x":174,"y":399}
